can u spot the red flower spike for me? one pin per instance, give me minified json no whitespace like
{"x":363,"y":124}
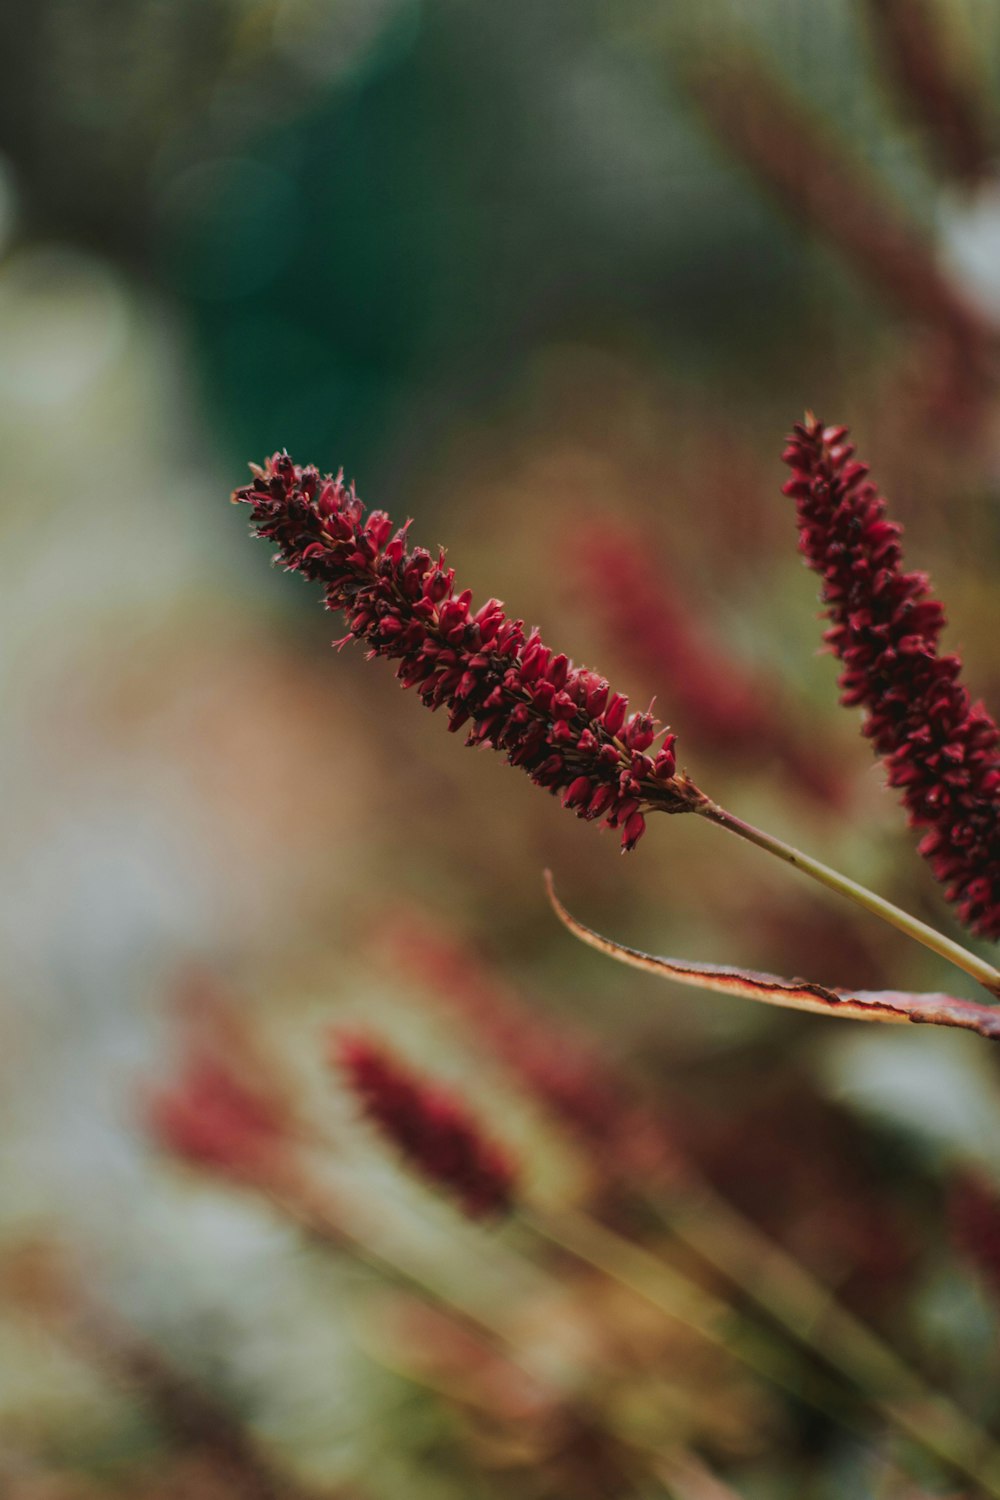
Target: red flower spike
{"x":941,"y":750}
{"x":547,"y":716}
{"x":227,"y":1107}
{"x":214,"y":1119}
{"x":433,"y":1130}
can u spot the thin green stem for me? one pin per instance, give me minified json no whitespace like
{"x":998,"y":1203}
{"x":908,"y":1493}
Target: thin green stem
{"x":809,"y":1311}
{"x":896,"y":1391}
{"x":327,"y":1225}
{"x":676,"y":1295}
{"x":984,"y":973}
{"x":680,"y":1299}
{"x":671,"y":1292}
{"x":904,"y":1400}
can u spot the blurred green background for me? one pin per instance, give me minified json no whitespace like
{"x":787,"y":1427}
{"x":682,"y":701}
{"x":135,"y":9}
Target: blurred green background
{"x":534,"y":276}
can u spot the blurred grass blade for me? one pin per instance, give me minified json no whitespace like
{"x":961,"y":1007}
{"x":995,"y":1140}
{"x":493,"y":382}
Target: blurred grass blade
{"x":797,"y":994}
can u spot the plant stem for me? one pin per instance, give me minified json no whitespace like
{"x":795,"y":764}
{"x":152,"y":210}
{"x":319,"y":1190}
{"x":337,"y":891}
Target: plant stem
{"x":955,"y":953}
{"x":703,"y":1220}
{"x":900,"y":1395}
{"x":326,"y":1222}
{"x":663,"y":1287}
{"x":677,"y":1297}
{"x":904,"y":1400}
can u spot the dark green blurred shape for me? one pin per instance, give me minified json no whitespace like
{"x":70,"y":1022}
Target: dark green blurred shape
{"x":365,"y":251}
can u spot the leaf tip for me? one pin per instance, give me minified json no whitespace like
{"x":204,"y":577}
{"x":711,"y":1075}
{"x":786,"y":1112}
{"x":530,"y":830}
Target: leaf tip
{"x":554,"y":902}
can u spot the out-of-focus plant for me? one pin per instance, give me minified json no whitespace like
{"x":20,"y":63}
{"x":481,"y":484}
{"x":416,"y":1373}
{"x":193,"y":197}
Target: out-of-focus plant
{"x":570,"y":1374}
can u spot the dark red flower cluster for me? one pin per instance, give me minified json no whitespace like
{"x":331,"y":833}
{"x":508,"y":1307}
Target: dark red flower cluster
{"x":433,"y":1130}
{"x":940,"y":749}
{"x":561,"y":723}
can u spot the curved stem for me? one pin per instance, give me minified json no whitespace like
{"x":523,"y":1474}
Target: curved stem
{"x":971,"y":963}
{"x":928,"y":1418}
{"x":671,"y":1292}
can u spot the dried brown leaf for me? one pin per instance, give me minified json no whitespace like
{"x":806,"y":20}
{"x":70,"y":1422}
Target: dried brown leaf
{"x":932,"y":1009}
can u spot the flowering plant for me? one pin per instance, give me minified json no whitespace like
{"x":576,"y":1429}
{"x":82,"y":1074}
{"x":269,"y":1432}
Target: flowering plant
{"x":566,"y":728}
